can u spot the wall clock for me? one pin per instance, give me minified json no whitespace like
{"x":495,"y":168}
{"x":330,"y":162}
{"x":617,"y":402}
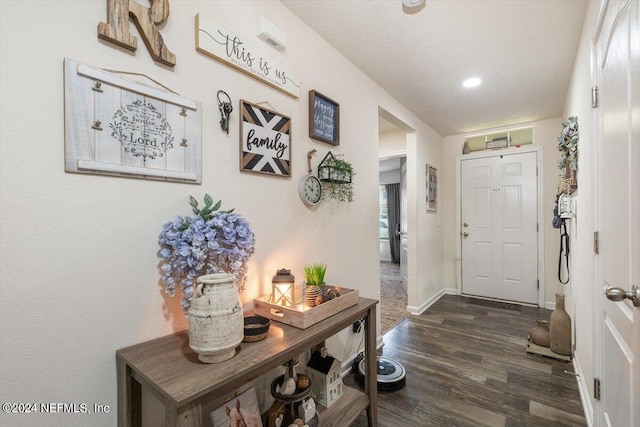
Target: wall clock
{"x":310,"y":190}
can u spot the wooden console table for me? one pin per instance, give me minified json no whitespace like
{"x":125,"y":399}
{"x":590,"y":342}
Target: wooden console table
{"x":169,"y":369}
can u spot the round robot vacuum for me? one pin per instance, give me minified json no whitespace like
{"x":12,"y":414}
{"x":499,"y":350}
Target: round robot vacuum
{"x":391,"y":374}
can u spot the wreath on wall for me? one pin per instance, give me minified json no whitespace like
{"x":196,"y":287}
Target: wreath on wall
{"x":568,"y":146}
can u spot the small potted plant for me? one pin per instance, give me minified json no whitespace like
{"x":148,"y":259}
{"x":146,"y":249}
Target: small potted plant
{"x":314,"y":282}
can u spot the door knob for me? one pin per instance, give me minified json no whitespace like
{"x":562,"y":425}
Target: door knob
{"x":465,"y":225}
{"x":465,"y":234}
{"x":619,"y":294}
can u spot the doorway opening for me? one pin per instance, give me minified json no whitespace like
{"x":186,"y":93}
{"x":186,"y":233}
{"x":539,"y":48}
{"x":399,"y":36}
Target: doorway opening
{"x":392,"y":225}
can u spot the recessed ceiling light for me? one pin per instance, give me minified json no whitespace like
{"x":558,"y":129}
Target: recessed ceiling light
{"x":472,"y":82}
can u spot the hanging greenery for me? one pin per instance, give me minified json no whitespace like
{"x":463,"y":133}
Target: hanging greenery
{"x":568,"y":146}
{"x":336,"y":175}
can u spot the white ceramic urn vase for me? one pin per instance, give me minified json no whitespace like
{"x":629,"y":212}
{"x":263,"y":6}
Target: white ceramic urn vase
{"x":216,"y":325}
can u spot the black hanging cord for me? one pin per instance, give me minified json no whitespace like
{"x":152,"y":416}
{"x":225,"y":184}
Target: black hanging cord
{"x":564,"y":248}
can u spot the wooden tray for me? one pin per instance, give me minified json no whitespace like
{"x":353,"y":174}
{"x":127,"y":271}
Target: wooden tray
{"x":302,"y":316}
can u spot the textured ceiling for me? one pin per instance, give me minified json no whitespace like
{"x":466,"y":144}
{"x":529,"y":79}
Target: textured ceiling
{"x":522,"y":49}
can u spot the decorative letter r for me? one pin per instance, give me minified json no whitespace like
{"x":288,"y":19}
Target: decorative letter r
{"x":116,"y":29}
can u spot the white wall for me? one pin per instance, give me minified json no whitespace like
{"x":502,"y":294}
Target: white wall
{"x":581,"y":292}
{"x":544,"y":134}
{"x":425,"y":262}
{"x":392,"y":143}
{"x":79,"y":275}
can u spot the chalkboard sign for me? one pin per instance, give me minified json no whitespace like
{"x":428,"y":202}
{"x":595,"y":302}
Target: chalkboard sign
{"x":324,"y":118}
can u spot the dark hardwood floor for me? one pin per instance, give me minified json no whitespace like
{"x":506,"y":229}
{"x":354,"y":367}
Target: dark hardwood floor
{"x":467,"y":365}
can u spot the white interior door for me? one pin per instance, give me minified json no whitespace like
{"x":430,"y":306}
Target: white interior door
{"x":617,"y":60}
{"x":499,"y":210}
{"x":404,"y":247}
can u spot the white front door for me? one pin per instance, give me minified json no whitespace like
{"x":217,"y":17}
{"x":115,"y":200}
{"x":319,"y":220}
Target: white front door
{"x":499,"y":210}
{"x":404,"y":246}
{"x":617,"y":65}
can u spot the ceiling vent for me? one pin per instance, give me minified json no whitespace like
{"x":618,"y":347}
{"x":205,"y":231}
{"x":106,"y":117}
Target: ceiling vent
{"x":271,"y":33}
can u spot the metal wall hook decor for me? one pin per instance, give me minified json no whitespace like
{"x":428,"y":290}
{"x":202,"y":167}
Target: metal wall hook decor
{"x":225,"y":108}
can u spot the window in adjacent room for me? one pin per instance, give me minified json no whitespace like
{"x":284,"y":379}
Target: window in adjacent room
{"x":511,"y":138}
{"x":383,"y":218}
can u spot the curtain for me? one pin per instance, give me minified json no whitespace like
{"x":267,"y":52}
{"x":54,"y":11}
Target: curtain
{"x":393,"y":213}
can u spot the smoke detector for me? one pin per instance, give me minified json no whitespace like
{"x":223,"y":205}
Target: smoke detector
{"x":412,"y":4}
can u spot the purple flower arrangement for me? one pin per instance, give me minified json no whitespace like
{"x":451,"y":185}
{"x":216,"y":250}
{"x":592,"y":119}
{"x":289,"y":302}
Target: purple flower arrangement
{"x":211,"y":241}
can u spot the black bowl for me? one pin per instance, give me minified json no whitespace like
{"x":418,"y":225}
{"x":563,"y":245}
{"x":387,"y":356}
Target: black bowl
{"x":256,"y":328}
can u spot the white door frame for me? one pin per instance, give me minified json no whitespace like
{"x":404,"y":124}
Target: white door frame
{"x":490,"y":153}
{"x":408,"y":152}
{"x":597,"y":167}
{"x":404,"y":223}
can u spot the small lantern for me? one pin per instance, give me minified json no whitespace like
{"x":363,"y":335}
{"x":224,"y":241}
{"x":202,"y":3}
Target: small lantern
{"x":283,"y":292}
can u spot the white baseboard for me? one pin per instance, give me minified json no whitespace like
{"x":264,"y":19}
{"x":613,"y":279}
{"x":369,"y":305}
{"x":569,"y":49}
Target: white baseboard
{"x":584,"y":391}
{"x":428,"y":303}
{"x":451,"y":291}
{"x":550,"y":305}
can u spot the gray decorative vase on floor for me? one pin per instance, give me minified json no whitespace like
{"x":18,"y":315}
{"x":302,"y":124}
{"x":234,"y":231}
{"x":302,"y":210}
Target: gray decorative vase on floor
{"x":540,"y":335}
{"x":560,"y":328}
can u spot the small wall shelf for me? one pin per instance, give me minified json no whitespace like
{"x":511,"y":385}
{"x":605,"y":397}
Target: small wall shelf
{"x":330,"y":170}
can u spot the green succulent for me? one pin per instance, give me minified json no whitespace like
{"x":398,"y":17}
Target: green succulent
{"x":209,"y":208}
{"x":314,"y":274}
{"x":207,"y":211}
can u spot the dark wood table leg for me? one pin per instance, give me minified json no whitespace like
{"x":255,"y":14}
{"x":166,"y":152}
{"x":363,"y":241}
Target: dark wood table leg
{"x":129,"y":397}
{"x":371,"y":374}
{"x":187,"y":415}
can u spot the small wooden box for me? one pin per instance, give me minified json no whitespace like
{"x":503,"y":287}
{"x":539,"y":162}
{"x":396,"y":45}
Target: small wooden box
{"x":302,"y":316}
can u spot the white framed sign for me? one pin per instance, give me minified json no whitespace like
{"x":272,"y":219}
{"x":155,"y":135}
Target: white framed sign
{"x":219,"y":43}
{"x":265,"y":141}
{"x":116,"y":126}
